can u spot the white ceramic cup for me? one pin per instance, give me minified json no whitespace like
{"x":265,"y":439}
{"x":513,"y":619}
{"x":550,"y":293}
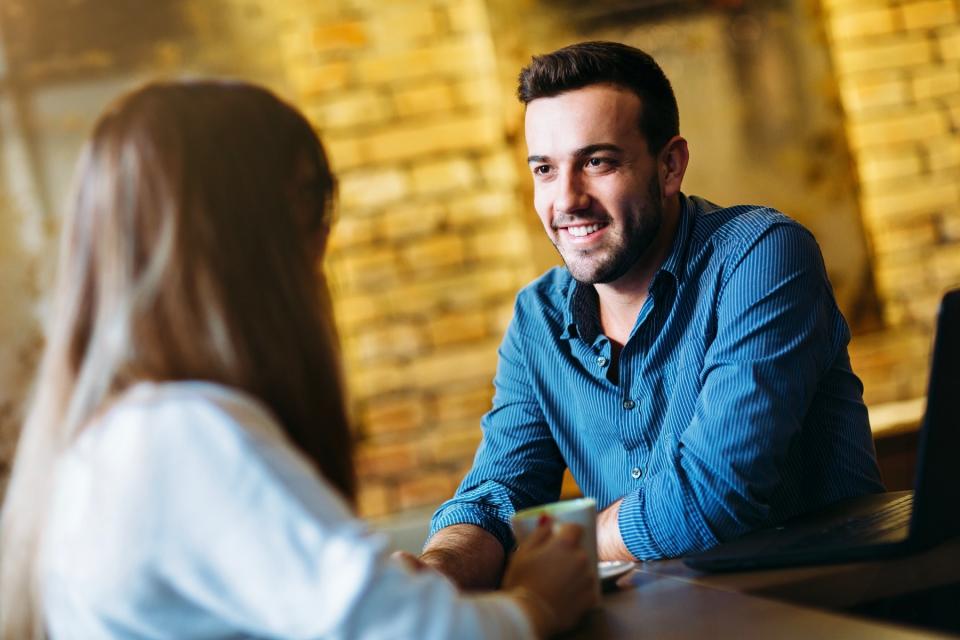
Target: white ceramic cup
{"x":582,"y":511}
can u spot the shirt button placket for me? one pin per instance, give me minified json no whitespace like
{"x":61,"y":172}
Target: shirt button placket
{"x":629,"y":404}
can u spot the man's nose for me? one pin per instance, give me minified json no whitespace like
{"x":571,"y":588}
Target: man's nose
{"x":571,"y":195}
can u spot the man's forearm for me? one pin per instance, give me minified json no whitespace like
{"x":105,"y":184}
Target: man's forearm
{"x":610,"y":545}
{"x":469,"y":555}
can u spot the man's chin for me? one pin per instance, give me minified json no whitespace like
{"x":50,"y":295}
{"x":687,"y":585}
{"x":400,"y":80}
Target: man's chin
{"x":586,"y":275}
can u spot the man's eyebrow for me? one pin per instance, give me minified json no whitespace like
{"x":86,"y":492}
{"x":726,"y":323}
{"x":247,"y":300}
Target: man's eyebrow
{"x":594,"y":148}
{"x":590,"y":149}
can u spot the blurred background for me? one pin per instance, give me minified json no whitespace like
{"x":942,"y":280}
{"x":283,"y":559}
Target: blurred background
{"x":845,"y":114}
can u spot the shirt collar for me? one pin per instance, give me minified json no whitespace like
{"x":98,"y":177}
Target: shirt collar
{"x":582,"y":313}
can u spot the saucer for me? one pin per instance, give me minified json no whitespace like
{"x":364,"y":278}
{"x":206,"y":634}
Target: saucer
{"x":610,"y":570}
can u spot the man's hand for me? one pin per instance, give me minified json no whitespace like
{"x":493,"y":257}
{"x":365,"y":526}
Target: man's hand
{"x":610,"y":544}
{"x":409,"y":561}
{"x":470,"y":556}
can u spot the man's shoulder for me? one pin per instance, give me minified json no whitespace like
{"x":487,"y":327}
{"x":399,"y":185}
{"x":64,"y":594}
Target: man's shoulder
{"x":737,"y":225}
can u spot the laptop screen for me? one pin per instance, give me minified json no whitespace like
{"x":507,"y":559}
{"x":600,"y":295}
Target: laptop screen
{"x":936,"y":506}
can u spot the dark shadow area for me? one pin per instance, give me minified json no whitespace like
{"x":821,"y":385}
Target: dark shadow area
{"x":934,"y":609}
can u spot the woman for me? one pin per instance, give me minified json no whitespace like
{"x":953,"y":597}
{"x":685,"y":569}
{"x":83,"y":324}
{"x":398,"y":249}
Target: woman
{"x":186,"y":457}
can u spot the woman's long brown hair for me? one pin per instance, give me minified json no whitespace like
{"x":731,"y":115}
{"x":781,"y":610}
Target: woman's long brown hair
{"x":189,"y":253}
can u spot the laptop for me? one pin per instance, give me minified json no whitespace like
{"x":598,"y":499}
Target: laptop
{"x":883,"y":524}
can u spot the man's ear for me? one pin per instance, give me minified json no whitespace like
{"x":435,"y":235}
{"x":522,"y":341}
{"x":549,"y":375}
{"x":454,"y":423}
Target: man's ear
{"x":673,"y":165}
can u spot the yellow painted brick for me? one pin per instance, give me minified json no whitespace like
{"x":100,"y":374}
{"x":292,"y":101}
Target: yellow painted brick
{"x":897,"y":128}
{"x":946,"y":266}
{"x":339,"y":36}
{"x":462,"y":326}
{"x":453,"y":443}
{"x":503,"y":313}
{"x":377,"y":460}
{"x":402,"y":221}
{"x":475,"y":362}
{"x":464,"y":403}
{"x":389,"y":342}
{"x":348,"y":110}
{"x":919,"y":197}
{"x":949,"y":43}
{"x":355,"y":311}
{"x":841,"y":6}
{"x":875,"y":165}
{"x":499,"y":169}
{"x":344,"y":152}
{"x":372,"y":188}
{"x":312,"y":80}
{"x":393,"y":414}
{"x":481,"y":207}
{"x":954,"y":110}
{"x":296,"y":43}
{"x":928,"y":13}
{"x":868,"y":22}
{"x":886,"y":53}
{"x":423,"y":98}
{"x":453,"y":290}
{"x":481,"y":92}
{"x":897,"y":278}
{"x":467,"y":15}
{"x":456,"y":59}
{"x":950,"y":225}
{"x":877,"y":89}
{"x":443,"y":175}
{"x":357,"y":270}
{"x":424,"y":489}
{"x":373,"y":380}
{"x":502,"y":242}
{"x":454,"y":134}
{"x":400,"y":24}
{"x":434,"y":252}
{"x":943,"y":154}
{"x":373,"y":499}
{"x":352,"y":231}
{"x":936,"y":82}
{"x":905,"y":238}
{"x":922,"y":307}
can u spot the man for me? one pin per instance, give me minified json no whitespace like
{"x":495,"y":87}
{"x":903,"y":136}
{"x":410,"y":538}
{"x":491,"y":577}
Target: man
{"x":689,"y":364}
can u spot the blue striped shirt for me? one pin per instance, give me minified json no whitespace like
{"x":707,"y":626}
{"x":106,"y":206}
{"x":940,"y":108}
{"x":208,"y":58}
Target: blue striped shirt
{"x":734,"y":404}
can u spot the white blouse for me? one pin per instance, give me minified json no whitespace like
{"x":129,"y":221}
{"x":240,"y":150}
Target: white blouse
{"x":184,"y":512}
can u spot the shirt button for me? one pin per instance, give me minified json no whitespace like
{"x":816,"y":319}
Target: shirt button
{"x":629,"y":404}
{"x":636,"y":473}
{"x":601,"y":361}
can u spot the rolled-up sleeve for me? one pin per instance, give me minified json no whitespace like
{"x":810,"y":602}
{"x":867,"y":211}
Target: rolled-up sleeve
{"x":775,"y":337}
{"x":517,"y":464}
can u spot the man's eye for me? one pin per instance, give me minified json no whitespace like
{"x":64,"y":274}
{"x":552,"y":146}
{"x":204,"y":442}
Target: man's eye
{"x":597,"y":162}
{"x":541,"y":169}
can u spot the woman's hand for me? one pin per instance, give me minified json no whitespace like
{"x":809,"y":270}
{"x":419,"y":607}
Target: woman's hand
{"x":551,"y":577}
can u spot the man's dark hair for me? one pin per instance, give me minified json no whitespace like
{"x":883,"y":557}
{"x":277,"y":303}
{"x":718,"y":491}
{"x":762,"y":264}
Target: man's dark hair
{"x":586,"y":63}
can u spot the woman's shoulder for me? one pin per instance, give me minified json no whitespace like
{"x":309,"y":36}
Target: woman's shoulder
{"x":203,"y":437}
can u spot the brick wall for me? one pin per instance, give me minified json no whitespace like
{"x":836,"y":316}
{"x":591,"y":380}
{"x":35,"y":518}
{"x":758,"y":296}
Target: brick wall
{"x":430,"y":246}
{"x":898,"y":68}
{"x":435,"y":233}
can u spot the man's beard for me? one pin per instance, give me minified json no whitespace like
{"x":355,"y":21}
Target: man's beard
{"x":638,"y":237}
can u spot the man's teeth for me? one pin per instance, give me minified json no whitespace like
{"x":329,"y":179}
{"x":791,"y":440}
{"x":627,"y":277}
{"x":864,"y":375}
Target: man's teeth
{"x":579,"y":232}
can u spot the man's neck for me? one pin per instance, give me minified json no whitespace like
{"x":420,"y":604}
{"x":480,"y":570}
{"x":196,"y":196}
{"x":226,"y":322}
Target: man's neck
{"x":620,"y":301}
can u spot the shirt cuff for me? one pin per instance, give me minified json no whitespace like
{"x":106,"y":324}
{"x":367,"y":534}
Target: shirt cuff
{"x":475,"y":515}
{"x":634,"y":529}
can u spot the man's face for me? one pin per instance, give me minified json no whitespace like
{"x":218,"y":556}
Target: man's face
{"x":596,"y":187}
